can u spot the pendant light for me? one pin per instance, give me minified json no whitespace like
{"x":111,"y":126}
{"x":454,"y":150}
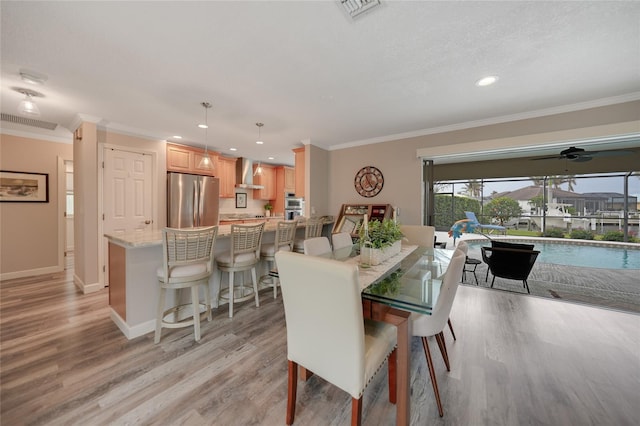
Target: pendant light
{"x":258,"y":171}
{"x":205,"y":161}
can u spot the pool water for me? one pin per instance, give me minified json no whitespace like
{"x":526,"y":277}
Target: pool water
{"x":579,"y":255}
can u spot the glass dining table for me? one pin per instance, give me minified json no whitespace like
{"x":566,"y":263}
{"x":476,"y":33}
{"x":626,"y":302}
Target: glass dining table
{"x":407,"y":282}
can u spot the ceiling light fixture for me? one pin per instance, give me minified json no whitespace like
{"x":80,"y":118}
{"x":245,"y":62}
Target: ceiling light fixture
{"x":233,"y":149}
{"x":259,"y":141}
{"x":27,"y":106}
{"x":358,"y":7}
{"x":205,"y":161}
{"x":487,"y":81}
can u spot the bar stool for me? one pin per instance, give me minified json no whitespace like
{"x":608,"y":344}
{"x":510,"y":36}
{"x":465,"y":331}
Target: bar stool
{"x":187,"y":263}
{"x":312,"y":229}
{"x":244,"y":255}
{"x":285,"y":234}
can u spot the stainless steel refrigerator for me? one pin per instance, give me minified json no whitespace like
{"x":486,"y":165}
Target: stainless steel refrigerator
{"x":192,"y":200}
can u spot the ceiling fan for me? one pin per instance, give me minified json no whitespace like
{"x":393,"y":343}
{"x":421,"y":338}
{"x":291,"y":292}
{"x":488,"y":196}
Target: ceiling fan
{"x":579,"y":155}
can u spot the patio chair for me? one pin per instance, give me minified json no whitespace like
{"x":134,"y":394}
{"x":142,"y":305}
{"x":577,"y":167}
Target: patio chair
{"x":481,"y":226}
{"x":510,"y":263}
{"x":503,"y":244}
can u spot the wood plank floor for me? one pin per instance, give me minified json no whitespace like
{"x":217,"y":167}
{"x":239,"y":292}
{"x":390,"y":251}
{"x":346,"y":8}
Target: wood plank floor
{"x":518,"y":360}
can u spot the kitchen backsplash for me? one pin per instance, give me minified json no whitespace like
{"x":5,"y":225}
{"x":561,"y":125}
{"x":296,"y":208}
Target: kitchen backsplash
{"x":228,"y":205}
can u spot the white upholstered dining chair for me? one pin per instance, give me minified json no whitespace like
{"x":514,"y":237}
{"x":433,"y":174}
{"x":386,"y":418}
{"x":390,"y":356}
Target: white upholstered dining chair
{"x":418,"y":234}
{"x":326,"y":331}
{"x":432,"y":325}
{"x":187,"y":262}
{"x":317,"y":246}
{"x":341,"y":240}
{"x":283,"y":240}
{"x":243,"y":255}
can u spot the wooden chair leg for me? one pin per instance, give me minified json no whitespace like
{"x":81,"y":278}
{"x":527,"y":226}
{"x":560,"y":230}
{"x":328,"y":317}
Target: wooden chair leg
{"x":254,"y":280}
{"x":231,"y":295}
{"x":443,"y":349}
{"x":432,"y":373}
{"x":159,"y":312}
{"x":451,"y":328}
{"x":393,"y":374}
{"x":207,"y":300}
{"x":291,"y":393}
{"x":195,"y":303}
{"x":356,"y":411}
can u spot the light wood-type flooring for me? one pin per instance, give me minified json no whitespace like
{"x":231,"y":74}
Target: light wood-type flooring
{"x":518,"y":360}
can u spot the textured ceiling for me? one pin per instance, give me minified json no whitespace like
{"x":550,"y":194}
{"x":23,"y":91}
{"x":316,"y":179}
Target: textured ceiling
{"x":310,"y":73}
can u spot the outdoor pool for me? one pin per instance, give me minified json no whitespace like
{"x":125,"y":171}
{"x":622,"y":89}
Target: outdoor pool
{"x":577,"y":254}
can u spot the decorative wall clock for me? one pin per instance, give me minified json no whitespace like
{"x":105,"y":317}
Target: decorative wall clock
{"x":369,"y":181}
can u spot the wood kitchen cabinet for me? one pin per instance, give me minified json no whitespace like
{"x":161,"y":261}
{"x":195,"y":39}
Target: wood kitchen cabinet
{"x":226,"y":171}
{"x":299,"y":171}
{"x":268,"y":180}
{"x":185,"y":159}
{"x":285,"y":183}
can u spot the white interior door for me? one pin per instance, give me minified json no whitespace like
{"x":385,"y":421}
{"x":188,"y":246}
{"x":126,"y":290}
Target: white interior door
{"x":127,"y":194}
{"x":68,"y":211}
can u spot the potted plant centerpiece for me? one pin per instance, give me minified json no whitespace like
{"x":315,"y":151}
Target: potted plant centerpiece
{"x":379,"y":241}
{"x":267,"y":209}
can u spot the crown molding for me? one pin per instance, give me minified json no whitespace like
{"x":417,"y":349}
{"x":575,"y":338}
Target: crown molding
{"x":630,"y":97}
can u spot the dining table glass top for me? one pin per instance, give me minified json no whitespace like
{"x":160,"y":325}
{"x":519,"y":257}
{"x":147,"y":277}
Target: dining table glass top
{"x":413,"y":283}
{"x":409,"y":281}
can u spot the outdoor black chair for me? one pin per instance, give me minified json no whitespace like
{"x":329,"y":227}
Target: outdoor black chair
{"x":503,"y":244}
{"x":510,"y":263}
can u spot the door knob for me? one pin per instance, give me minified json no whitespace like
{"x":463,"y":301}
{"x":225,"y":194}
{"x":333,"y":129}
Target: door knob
{"x":147,"y":222}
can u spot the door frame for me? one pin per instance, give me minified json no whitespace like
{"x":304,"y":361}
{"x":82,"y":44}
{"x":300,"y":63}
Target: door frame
{"x":62,"y":206}
{"x":102,"y":264}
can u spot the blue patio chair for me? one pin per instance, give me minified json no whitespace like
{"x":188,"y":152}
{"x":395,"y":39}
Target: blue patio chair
{"x":481,"y":226}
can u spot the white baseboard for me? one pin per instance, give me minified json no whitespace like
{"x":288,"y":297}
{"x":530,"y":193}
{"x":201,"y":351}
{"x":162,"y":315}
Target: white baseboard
{"x":136,"y":330}
{"x":86,"y":288}
{"x":31,"y":272}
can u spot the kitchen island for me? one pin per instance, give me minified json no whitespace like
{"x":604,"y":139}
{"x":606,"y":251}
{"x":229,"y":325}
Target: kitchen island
{"x":133,"y":284}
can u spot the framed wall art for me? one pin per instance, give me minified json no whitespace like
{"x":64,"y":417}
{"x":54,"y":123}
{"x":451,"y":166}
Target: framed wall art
{"x":241,"y":200}
{"x":24,"y":187}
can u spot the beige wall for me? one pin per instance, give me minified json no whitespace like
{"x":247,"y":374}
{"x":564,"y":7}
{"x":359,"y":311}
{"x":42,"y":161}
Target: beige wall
{"x":29,"y":239}
{"x":402,"y":169}
{"x":317,"y":199}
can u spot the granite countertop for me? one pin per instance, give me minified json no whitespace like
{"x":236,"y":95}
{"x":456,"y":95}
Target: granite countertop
{"x":154,"y":237}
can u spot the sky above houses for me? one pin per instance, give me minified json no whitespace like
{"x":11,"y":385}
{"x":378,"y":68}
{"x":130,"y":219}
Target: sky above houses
{"x":589,"y":183}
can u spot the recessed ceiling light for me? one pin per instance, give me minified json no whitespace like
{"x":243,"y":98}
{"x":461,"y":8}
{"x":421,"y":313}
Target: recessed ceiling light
{"x":271,"y":158}
{"x":487,"y":81}
{"x":203,"y":126}
{"x":177,"y":137}
{"x":259,"y":142}
{"x":233,"y":149}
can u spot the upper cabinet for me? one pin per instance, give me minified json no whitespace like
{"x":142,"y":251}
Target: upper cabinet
{"x":226,"y":170}
{"x":299,"y":171}
{"x":266,"y":179}
{"x":185,"y":159}
{"x":285,"y":183}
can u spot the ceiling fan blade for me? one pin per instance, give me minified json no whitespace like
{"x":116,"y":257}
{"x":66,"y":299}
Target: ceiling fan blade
{"x":553,"y":157}
{"x":607,"y":153}
{"x":581,"y":159}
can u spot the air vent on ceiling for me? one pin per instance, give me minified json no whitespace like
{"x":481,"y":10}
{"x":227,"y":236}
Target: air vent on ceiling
{"x":28,"y":121}
{"x":358,"y":7}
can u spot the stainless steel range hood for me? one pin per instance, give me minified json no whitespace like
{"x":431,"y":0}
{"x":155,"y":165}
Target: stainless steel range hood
{"x":244,"y":174}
